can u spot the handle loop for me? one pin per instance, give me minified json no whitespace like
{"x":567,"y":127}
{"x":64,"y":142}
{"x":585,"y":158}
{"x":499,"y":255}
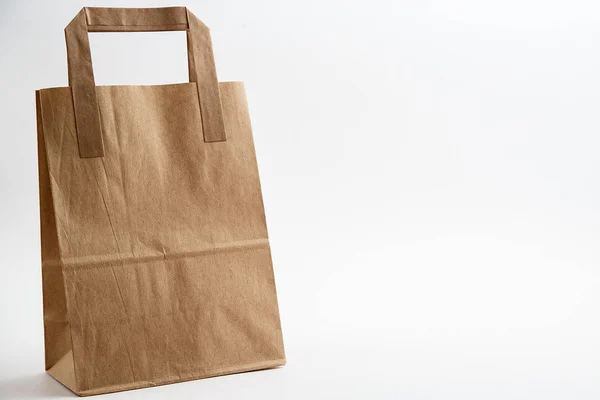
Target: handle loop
{"x":201,"y":65}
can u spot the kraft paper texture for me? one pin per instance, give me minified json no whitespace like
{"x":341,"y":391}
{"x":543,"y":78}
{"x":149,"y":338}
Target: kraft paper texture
{"x":156,"y":262}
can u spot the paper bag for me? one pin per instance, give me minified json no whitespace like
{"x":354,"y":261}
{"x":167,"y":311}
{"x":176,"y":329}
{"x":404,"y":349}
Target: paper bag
{"x":155,"y":256}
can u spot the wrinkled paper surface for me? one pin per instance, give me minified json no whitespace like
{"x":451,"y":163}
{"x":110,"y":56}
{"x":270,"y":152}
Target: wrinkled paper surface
{"x":155,"y":258}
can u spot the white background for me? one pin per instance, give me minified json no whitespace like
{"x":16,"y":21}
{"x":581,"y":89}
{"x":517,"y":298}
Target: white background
{"x":431,"y":180}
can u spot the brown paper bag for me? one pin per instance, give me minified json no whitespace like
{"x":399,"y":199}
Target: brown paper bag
{"x":155,"y":256}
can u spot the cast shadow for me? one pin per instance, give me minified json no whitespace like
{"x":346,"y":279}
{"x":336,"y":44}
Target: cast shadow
{"x":33,"y":386}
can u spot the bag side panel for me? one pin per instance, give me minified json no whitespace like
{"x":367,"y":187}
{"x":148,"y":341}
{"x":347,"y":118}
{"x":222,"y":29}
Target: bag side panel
{"x":57,"y":338}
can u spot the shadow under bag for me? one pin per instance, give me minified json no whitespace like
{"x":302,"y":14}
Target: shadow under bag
{"x":156,"y":262}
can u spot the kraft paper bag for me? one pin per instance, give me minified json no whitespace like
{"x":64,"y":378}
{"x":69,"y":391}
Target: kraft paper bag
{"x":155,"y":256}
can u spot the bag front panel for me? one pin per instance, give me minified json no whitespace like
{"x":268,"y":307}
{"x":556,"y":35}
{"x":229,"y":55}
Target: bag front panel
{"x":163,"y":242}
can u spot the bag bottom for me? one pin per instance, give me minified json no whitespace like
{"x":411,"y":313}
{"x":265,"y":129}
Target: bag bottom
{"x":206,"y":374}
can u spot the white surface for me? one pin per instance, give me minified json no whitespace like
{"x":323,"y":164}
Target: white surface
{"x":431,"y":179}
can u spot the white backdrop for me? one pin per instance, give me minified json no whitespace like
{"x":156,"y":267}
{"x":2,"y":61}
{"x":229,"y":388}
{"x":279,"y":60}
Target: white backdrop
{"x":431,"y":180}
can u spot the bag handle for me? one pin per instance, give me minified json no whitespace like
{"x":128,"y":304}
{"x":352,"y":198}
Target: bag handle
{"x":201,"y":66}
